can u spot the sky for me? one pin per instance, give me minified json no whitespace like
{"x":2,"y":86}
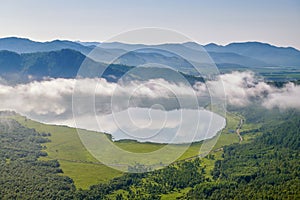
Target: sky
{"x":211,"y":21}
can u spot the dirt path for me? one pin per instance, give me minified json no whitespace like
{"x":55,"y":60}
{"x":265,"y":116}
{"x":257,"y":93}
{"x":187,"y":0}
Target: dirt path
{"x":238,"y":130}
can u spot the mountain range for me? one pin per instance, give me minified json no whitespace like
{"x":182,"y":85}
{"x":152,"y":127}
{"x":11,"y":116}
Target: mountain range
{"x":62,"y":58}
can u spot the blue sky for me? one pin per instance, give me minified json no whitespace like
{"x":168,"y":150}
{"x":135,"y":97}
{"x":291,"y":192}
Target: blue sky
{"x":219,"y":21}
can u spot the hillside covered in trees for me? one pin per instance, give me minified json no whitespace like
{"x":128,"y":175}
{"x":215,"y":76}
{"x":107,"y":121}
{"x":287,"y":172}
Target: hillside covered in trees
{"x":22,"y":174}
{"x":265,"y":167}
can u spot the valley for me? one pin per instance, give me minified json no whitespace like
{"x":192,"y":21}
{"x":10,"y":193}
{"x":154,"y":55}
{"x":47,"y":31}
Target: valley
{"x":141,"y":102}
{"x":75,"y":161}
{"x":85,"y":170}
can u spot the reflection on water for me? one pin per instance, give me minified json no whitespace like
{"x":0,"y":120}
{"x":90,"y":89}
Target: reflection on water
{"x":152,"y":124}
{"x":160,"y":126}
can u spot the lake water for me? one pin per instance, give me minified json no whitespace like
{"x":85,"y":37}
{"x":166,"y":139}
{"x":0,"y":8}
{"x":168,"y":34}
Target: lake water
{"x":155,"y":125}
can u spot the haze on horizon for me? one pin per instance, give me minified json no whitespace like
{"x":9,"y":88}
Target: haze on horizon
{"x":222,"y":22}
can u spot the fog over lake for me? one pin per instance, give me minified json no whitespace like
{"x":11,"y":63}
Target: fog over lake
{"x":154,"y":125}
{"x":50,"y":101}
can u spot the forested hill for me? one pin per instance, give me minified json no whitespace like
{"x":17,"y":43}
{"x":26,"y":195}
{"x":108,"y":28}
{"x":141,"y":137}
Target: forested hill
{"x":62,"y":59}
{"x":247,"y":54}
{"x":265,"y":167}
{"x":22,"y":175}
{"x":65,"y":63}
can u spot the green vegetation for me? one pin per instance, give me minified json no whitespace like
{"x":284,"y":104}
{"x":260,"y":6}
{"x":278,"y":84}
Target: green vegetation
{"x":22,"y":175}
{"x":266,"y":168}
{"x":275,"y":75}
{"x":265,"y":165}
{"x":75,"y":160}
{"x":78,"y":164}
{"x":150,"y":185}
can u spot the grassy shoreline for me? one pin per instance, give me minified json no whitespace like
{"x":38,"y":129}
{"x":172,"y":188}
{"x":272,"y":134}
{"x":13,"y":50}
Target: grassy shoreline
{"x":77,"y":162}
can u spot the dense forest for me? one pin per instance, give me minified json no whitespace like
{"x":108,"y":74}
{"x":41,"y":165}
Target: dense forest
{"x":266,"y":167}
{"x":22,"y":174}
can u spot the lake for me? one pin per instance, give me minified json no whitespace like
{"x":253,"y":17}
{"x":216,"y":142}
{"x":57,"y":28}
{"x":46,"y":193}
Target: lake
{"x":155,"y":125}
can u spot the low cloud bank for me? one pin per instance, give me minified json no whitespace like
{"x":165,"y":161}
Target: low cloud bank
{"x":243,"y":88}
{"x":52,"y":99}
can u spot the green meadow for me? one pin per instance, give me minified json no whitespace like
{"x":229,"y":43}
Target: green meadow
{"x":79,"y":164}
{"x":76,"y":162}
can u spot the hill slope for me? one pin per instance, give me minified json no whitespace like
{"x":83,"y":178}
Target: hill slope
{"x":247,"y":54}
{"x":65,"y":63}
{"x":23,"y":45}
{"x":77,"y":163}
{"x":272,"y":55}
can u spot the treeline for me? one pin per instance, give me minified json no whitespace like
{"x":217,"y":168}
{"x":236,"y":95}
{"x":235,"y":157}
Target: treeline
{"x":149,"y":185}
{"x":22,"y":175}
{"x":266,"y":168}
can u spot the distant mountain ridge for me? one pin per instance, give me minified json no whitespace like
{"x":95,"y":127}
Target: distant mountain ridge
{"x":261,"y":51}
{"x":62,"y":58}
{"x":23,"y":45}
{"x":22,"y":68}
{"x":65,"y":63}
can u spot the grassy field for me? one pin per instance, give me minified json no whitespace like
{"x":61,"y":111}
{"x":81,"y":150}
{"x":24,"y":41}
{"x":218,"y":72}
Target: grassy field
{"x":75,"y":160}
{"x":85,"y":170}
